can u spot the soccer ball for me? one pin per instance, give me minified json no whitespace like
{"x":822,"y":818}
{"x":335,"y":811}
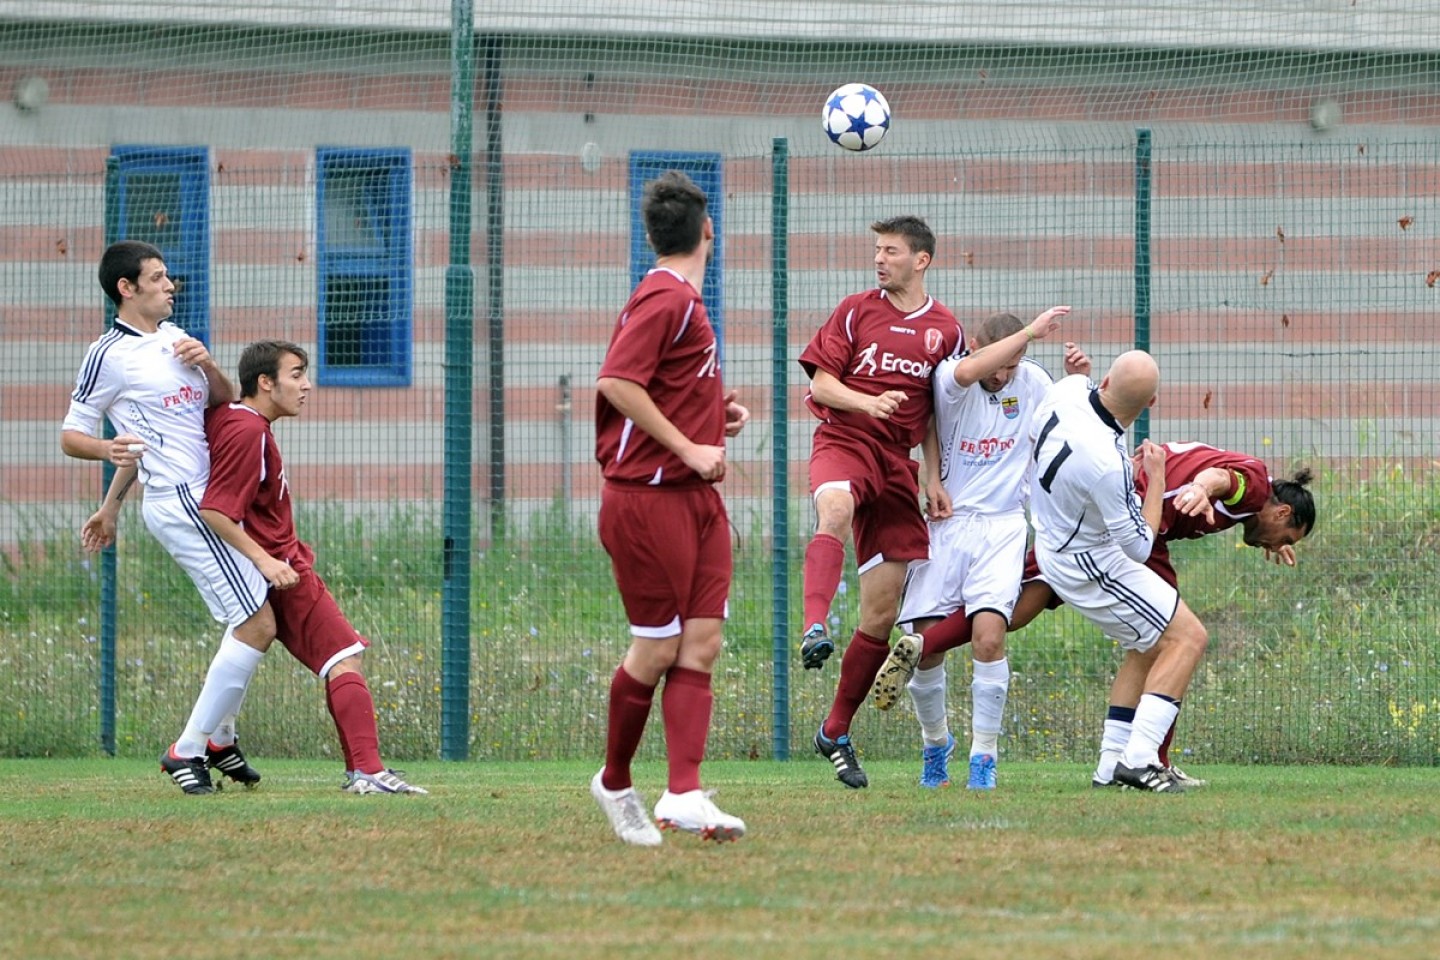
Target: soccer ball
{"x":856,"y":116}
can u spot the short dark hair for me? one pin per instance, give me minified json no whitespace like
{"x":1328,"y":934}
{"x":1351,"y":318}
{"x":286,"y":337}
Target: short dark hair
{"x":262,"y":359}
{"x":996,"y":327}
{"x":673,"y":208}
{"x":916,"y":231}
{"x":1295,"y":493}
{"x":122,"y":261}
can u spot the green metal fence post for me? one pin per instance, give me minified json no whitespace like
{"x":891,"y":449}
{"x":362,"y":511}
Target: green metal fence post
{"x":1142,"y":260}
{"x":495,"y":280}
{"x":459,"y":376}
{"x":780,"y":443}
{"x":109,"y":597}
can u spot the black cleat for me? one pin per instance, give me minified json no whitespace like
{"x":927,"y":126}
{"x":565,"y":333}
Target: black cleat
{"x":231,"y":762}
{"x":190,"y":775}
{"x":816,"y":647}
{"x":841,"y":752}
{"x":1154,"y":778}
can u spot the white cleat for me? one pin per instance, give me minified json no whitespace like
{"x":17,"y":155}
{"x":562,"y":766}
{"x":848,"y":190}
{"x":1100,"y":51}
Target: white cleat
{"x":385,"y":781}
{"x":694,"y":812}
{"x":626,"y":812}
{"x":1186,"y":781}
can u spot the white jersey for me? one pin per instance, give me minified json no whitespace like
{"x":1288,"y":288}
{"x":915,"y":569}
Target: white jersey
{"x":1084,"y":495}
{"x":985,"y":438}
{"x":134,"y":379}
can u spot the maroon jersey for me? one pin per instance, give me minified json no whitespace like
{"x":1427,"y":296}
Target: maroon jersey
{"x":664,"y":342}
{"x":248,"y":484}
{"x":870,"y":346}
{"x":1248,"y":492}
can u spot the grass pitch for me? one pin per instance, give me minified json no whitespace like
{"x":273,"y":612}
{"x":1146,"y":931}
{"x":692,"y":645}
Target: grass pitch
{"x":107,"y":859}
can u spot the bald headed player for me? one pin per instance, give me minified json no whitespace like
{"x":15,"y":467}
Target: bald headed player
{"x":1093,"y":535}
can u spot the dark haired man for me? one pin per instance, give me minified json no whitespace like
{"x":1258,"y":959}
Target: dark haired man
{"x":154,"y":383}
{"x":661,"y":419}
{"x":248,"y":504}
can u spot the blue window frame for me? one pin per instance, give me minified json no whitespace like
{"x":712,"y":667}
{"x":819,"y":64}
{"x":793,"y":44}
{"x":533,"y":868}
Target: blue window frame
{"x":365,"y":267}
{"x":162,"y":196}
{"x":705,"y":170}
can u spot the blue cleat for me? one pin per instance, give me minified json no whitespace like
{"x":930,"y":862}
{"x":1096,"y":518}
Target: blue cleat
{"x":935,"y":764}
{"x":982,"y":772}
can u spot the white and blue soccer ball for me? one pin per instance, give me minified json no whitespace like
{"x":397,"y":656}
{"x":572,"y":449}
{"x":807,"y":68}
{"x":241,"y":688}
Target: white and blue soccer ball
{"x":856,"y":116}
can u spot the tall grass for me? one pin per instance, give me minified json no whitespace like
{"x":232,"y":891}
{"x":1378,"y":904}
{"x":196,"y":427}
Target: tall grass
{"x":1332,"y":662}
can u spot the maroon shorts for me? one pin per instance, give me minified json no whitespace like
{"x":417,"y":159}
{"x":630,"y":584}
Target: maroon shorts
{"x":885,"y":483}
{"x":310,"y":624}
{"x":670,"y":550}
{"x":1159,"y":561}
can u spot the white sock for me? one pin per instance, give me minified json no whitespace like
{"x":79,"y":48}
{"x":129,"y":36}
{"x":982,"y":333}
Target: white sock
{"x":987,"y":694}
{"x":1112,"y":746}
{"x":224,"y":690}
{"x":927,"y":692}
{"x":1153,"y":718}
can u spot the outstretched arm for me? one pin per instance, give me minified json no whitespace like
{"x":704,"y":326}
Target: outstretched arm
{"x":983,"y":361}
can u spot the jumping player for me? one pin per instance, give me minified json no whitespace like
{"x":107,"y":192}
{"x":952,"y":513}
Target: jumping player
{"x":870,"y":367}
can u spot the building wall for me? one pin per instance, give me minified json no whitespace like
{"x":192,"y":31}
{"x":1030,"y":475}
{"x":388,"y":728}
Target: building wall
{"x":1286,"y":281}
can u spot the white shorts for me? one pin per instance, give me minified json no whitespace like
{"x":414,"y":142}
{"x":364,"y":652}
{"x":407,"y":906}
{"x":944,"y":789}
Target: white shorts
{"x":231,"y":585}
{"x":1128,"y":601}
{"x":975,"y":562}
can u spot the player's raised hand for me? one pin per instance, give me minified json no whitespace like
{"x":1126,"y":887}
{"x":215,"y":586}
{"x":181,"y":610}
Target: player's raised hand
{"x":1076,"y":360}
{"x":1047,"y":323}
{"x":736,"y":414}
{"x":883,"y":406}
{"x":1152,"y":461}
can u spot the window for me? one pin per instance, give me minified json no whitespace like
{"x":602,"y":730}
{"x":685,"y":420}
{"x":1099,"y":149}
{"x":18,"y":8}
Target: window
{"x":365,"y":267}
{"x":162,"y":195}
{"x":704,"y":169}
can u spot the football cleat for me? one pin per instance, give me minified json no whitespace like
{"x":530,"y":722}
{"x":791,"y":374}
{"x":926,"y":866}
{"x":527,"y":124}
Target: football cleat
{"x":982,"y":772}
{"x":626,"y":813}
{"x":192,"y":775}
{"x":1186,"y":781}
{"x":231,"y":762}
{"x":816,"y":647}
{"x":694,"y":812}
{"x":386,"y":781}
{"x":1153,"y":778}
{"x":935,"y":763}
{"x":841,"y":752}
{"x":896,"y":671}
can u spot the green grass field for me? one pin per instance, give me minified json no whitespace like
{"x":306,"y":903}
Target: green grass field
{"x":107,"y":859}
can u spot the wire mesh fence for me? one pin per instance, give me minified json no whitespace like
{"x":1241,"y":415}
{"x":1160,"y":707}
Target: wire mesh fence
{"x":302,"y":181}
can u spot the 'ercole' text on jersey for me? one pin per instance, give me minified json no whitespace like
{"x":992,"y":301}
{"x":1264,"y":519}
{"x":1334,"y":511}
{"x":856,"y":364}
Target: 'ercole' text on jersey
{"x":866,"y":363}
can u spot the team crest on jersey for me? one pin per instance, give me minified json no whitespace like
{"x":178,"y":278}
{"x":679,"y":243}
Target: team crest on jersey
{"x":1010,"y":406}
{"x":934,"y":340}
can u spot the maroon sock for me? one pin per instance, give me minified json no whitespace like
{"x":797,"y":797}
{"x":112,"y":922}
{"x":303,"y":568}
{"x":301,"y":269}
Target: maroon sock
{"x":344,"y":744}
{"x":354,"y":711}
{"x":686,"y":705}
{"x":1165,"y":744}
{"x":824,"y":563}
{"x":864,"y":657}
{"x":629,"y":709}
{"x":952,"y":632}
